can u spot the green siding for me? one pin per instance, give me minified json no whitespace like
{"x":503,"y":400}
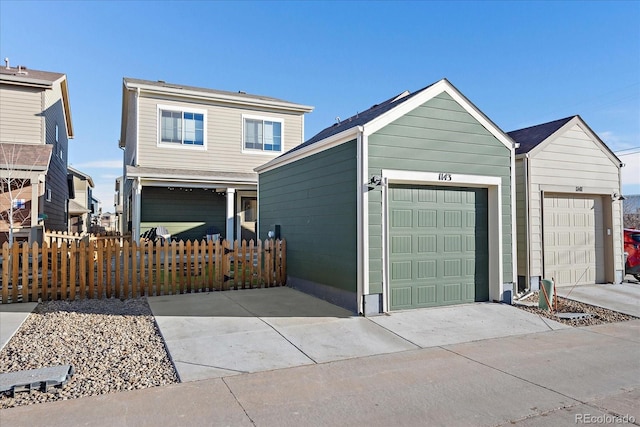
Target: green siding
{"x":314,"y":202}
{"x":439,"y":136}
{"x":186,"y":214}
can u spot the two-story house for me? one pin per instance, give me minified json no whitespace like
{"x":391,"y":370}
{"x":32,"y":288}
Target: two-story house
{"x":80,"y":201}
{"x":190,"y":154}
{"x":35,"y":127}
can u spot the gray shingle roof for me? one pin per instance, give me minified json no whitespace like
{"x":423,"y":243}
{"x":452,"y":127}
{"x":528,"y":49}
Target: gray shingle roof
{"x":360,"y":118}
{"x":240,"y":94}
{"x":529,"y":138}
{"x":26,"y":74}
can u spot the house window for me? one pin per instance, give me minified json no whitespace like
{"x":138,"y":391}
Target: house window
{"x":57,"y":133}
{"x":262,"y":134}
{"x":48,"y":194}
{"x":181,"y":127}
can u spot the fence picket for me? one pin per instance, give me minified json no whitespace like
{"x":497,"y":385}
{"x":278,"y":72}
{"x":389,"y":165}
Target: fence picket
{"x":72,"y":271}
{"x":125,"y":271}
{"x":82,"y":273}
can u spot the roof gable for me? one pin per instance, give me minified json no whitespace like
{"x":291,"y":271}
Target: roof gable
{"x":530,"y":137}
{"x":535,"y":138}
{"x":380,"y":115}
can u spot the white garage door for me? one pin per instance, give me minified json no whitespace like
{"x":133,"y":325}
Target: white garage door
{"x":573,"y":239}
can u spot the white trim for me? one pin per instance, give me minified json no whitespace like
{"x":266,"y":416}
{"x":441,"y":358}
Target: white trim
{"x":262,"y":152}
{"x":360,"y":230}
{"x":514,"y":225}
{"x":364,"y":218}
{"x":182,"y":145}
{"x":495,"y":237}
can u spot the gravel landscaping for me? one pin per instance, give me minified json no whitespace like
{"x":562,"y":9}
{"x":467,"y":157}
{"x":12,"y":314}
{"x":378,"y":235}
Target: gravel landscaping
{"x":595,"y":315}
{"x":113,"y":345}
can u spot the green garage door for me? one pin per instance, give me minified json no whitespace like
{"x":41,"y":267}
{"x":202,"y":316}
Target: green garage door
{"x":438,"y":246}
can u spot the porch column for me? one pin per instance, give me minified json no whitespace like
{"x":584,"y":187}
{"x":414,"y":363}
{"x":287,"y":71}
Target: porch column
{"x":231,"y":193}
{"x":135,"y":210}
{"x":35,"y":199}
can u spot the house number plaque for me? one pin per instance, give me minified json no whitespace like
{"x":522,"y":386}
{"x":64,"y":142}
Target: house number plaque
{"x":444,"y":176}
{"x":579,"y":189}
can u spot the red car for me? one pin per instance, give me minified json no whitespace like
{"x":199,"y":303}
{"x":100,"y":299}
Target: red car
{"x":632,"y":252}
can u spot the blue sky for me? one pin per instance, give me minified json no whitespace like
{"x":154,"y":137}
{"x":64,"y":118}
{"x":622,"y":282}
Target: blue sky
{"x":521,"y":63}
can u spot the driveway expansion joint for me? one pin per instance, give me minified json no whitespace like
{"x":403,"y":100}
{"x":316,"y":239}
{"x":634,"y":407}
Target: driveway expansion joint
{"x":238,"y":402}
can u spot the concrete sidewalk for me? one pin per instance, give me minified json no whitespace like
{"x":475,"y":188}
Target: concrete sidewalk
{"x":558,"y":377}
{"x":12,"y":316}
{"x":228,"y":333}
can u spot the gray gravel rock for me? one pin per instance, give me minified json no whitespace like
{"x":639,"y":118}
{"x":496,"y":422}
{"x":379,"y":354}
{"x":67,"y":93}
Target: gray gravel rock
{"x":598,"y":316}
{"x":113,"y":345}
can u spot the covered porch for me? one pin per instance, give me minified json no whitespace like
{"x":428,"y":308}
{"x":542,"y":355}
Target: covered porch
{"x":192,"y":205}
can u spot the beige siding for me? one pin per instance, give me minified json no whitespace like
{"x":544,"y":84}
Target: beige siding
{"x":223,"y":138}
{"x":570,"y":161}
{"x":521,"y":220}
{"x":20,"y":114}
{"x":131,"y":134}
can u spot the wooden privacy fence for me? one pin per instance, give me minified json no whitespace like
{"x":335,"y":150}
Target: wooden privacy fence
{"x":105,"y":269}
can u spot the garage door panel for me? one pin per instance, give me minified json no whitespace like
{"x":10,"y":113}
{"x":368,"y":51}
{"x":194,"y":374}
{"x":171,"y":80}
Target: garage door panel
{"x":427,"y":218}
{"x":452,"y":243}
{"x":401,"y":297}
{"x":401,"y":218}
{"x":452,"y":293}
{"x":426,"y":295}
{"x":401,"y":244}
{"x":444,"y":260}
{"x":427,"y":244}
{"x":427,"y":269}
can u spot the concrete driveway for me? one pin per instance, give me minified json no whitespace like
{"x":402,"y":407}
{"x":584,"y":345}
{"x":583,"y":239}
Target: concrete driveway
{"x":212,"y":335}
{"x":623,"y":298}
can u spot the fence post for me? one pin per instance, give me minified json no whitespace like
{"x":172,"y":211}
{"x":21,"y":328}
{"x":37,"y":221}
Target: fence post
{"x":175,"y":286}
{"x":125,"y":269}
{"x":5,"y":272}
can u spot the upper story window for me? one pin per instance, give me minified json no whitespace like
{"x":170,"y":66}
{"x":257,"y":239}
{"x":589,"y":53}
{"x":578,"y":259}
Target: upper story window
{"x":181,"y":126}
{"x":57,"y":133}
{"x":262,"y":134}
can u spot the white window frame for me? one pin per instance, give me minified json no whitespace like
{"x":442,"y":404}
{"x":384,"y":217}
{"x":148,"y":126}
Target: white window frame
{"x":181,"y":109}
{"x":57,"y":133}
{"x":263,"y":151}
{"x":48,"y":195}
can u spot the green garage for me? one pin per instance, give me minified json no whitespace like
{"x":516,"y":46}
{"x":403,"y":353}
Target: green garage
{"x":405,"y":205}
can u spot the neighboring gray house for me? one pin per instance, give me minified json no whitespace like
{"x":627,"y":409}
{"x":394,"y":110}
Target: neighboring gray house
{"x":569,"y":209}
{"x":80,"y":201}
{"x":189,"y":155}
{"x":407,"y":204}
{"x":35,"y":127}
